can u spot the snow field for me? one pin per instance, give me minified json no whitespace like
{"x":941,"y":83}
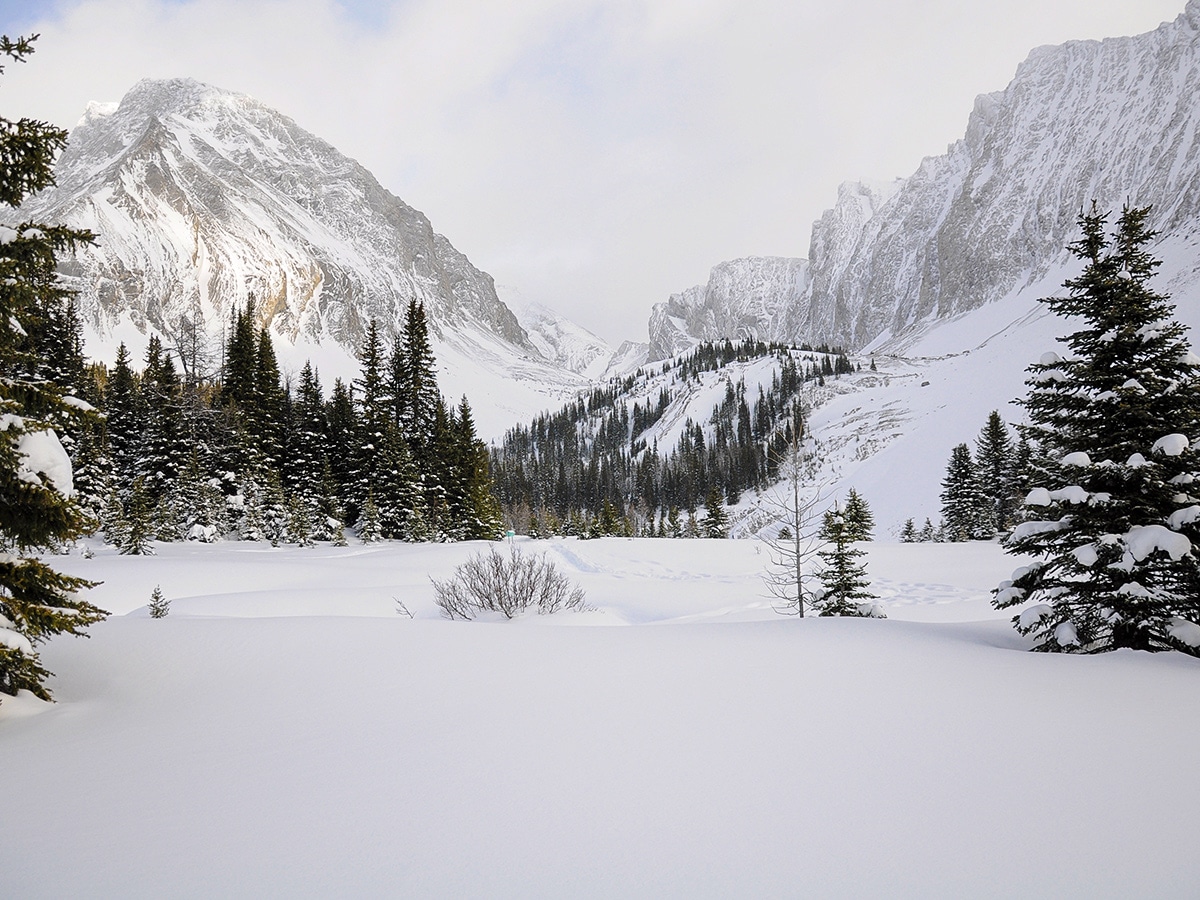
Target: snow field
{"x":284,"y":732}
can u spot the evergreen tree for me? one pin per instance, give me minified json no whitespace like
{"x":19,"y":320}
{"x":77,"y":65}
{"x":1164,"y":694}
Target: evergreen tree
{"x":342,"y":424}
{"x":308,"y":460}
{"x":270,"y":402}
{"x":482,"y":519}
{"x":844,"y":585}
{"x":908,"y":534}
{"x":139,"y":525}
{"x":240,"y":370}
{"x":159,"y":605}
{"x":253,"y":522}
{"x":420,"y":396}
{"x":963,"y":506}
{"x":37,"y":511}
{"x":368,"y":529}
{"x":995,"y":467}
{"x":395,"y":489}
{"x":859,"y":520}
{"x":92,"y":473}
{"x":112,"y":519}
{"x":274,"y":509}
{"x":299,"y":523}
{"x":123,"y":419}
{"x":1116,"y":545}
{"x":608,"y":522}
{"x":716,"y":521}
{"x":161,"y":448}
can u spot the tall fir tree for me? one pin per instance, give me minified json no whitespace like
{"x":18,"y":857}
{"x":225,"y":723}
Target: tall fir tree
{"x":161,"y":447}
{"x":419,"y":373}
{"x":963,"y":504}
{"x":1117,"y":540}
{"x":37,"y":509}
{"x":860,"y":521}
{"x":844,"y":585}
{"x":123,"y":418}
{"x":342,"y":422}
{"x":716,"y":520}
{"x":995,"y":470}
{"x":482,"y":517}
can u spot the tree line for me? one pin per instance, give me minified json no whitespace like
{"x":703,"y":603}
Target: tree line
{"x":249,"y":455}
{"x":594,"y":466}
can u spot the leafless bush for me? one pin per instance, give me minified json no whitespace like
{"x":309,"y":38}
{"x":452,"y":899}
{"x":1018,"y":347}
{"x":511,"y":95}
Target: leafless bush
{"x":506,"y":584}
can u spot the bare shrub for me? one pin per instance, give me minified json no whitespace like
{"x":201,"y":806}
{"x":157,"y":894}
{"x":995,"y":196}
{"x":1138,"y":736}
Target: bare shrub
{"x":506,"y":584}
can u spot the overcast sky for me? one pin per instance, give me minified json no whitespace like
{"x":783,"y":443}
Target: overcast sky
{"x":594,"y":157}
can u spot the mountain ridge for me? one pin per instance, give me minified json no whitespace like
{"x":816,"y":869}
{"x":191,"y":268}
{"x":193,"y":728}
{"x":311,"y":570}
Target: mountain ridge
{"x":1112,"y":121}
{"x":203,"y":197}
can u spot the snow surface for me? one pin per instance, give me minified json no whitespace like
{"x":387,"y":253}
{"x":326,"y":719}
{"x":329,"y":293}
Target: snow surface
{"x":284,"y":732}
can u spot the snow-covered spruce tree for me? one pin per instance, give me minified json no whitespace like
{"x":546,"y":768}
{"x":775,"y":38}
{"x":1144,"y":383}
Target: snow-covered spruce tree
{"x":139,"y":526}
{"x":963,"y":505}
{"x":716,"y":521}
{"x":159,"y":606}
{"x":844,"y":585}
{"x":860,"y":521}
{"x":908,"y":534}
{"x":37,"y":509}
{"x":995,"y":470}
{"x":368,"y":521}
{"x":1116,"y":543}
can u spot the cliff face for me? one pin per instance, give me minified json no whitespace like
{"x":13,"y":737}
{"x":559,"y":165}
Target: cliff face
{"x":1112,"y":121}
{"x":202,"y":197}
{"x":744,"y":298}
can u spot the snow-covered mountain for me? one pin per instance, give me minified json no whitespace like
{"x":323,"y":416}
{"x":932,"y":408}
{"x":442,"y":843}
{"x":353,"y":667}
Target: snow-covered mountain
{"x":743,"y":299}
{"x":202,"y":197}
{"x":563,"y":342}
{"x":1112,"y":121}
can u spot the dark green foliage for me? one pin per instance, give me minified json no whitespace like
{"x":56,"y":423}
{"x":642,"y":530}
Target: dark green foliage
{"x":716,"y":522}
{"x":996,"y":473}
{"x":860,"y":521}
{"x":964,"y":507}
{"x":844,"y":585}
{"x":138,"y":522}
{"x":37,"y":512}
{"x":159,"y":605}
{"x":306,"y":465}
{"x":369,"y":530}
{"x":855,"y":520}
{"x":1114,"y":426}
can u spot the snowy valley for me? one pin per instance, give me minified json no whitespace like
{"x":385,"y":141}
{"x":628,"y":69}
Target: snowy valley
{"x":287,"y":730}
{"x":278,"y":703}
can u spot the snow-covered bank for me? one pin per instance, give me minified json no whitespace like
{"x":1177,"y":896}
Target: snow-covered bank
{"x":285,"y":733}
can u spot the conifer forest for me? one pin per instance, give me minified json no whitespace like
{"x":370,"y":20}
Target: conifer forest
{"x":195,"y":447}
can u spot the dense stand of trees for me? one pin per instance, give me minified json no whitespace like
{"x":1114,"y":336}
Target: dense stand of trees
{"x":594,"y":466}
{"x":240,"y":453}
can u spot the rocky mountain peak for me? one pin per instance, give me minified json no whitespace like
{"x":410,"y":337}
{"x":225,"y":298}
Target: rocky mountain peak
{"x":203,"y":197}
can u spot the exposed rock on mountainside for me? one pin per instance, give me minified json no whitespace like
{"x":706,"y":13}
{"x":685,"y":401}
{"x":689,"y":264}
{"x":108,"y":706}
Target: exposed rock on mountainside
{"x":564,"y":343}
{"x":744,"y":298}
{"x":1112,"y":121}
{"x":202,"y":197}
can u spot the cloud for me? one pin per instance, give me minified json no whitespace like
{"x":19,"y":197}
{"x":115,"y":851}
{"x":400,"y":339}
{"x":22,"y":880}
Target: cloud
{"x":595,"y":155}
